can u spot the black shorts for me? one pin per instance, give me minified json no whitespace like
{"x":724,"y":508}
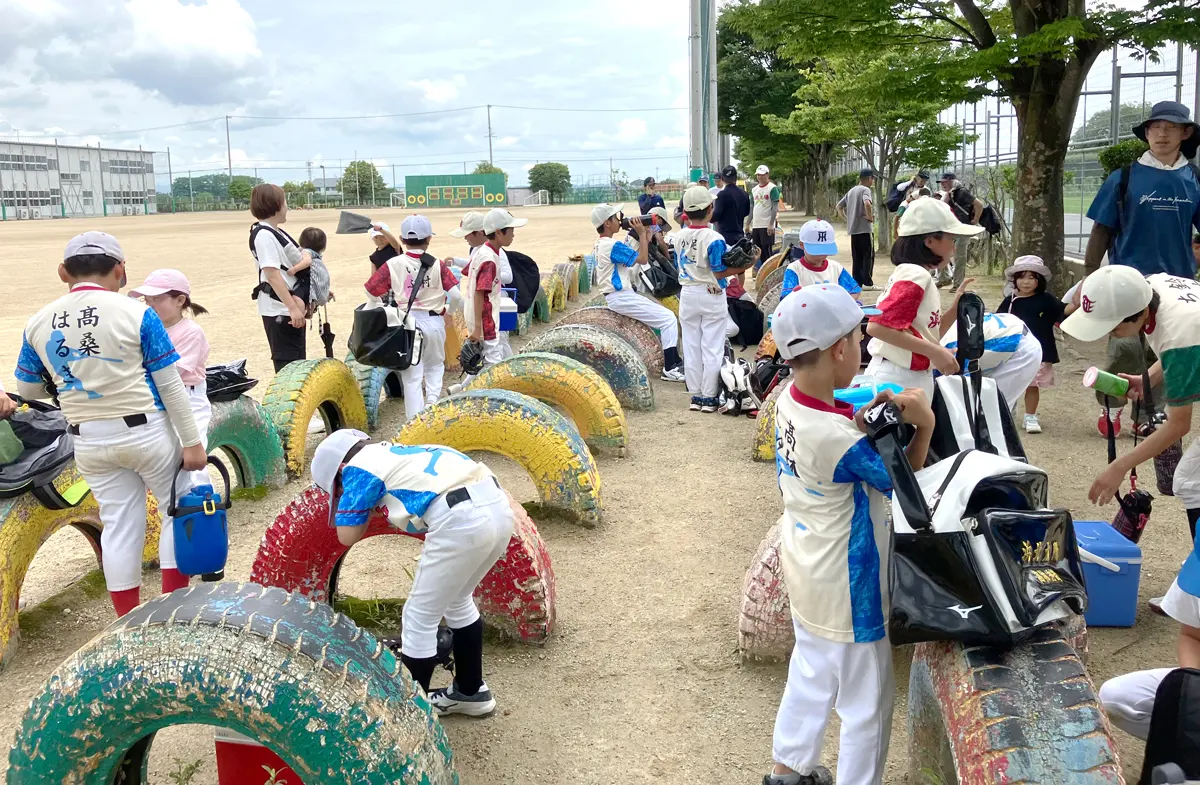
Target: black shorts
{"x":287,"y":343}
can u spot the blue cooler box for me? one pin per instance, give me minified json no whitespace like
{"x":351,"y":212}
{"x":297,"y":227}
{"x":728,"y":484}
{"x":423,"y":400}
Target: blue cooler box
{"x":508,"y":310}
{"x":1112,"y":596}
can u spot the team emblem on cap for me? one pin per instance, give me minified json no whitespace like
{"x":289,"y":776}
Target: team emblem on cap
{"x":1087,"y":303}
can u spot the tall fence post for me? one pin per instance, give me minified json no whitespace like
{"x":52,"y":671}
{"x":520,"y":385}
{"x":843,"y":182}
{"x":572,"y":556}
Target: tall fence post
{"x":1114,"y":130}
{"x":191,"y":193}
{"x":171,"y":179}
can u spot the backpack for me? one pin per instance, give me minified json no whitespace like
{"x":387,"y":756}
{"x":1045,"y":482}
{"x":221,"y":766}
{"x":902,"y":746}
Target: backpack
{"x":989,"y":220}
{"x":896,"y":196}
{"x":1174,"y":736}
{"x":319,"y":284}
{"x":749,"y":320}
{"x":49,"y":450}
{"x":1123,"y":191}
{"x":526,"y":279}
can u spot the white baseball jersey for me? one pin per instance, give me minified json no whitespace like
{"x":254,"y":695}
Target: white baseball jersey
{"x":491,"y":318}
{"x":911,"y":304}
{"x":701,"y":252}
{"x":799,"y":275}
{"x":401,"y":482}
{"x":403,"y":270}
{"x":765,"y":199}
{"x":614,"y":262}
{"x":1175,"y":337}
{"x":1002,"y":333}
{"x":99,"y":348}
{"x":835,"y":538}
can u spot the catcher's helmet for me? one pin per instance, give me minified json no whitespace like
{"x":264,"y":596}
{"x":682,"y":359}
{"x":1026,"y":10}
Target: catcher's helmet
{"x":471,"y":357}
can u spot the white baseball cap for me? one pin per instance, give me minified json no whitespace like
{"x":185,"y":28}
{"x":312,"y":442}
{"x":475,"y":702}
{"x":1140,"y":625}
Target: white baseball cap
{"x":416,"y":227}
{"x":818,"y":238}
{"x":471,"y":223}
{"x":762,"y":169}
{"x":697,"y":197}
{"x":328,"y":460}
{"x":94,"y":243}
{"x":661,"y":214}
{"x":373,"y":232}
{"x":602,"y":212}
{"x":498,"y":219}
{"x":926,"y":216}
{"x":163,"y":281}
{"x":814,"y":318}
{"x":1110,"y":296}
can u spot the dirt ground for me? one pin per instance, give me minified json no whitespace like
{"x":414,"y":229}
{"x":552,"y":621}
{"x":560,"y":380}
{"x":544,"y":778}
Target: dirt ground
{"x":641,"y":682}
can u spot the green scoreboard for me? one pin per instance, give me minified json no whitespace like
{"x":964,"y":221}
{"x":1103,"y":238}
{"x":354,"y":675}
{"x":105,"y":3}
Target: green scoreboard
{"x":455,"y":190}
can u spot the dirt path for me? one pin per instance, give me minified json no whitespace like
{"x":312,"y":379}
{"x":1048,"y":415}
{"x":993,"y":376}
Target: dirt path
{"x":640,"y":682}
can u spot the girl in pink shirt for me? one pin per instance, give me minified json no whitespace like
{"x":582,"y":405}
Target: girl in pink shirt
{"x":170,"y":295}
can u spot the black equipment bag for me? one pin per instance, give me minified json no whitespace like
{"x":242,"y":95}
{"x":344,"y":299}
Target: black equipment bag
{"x":373,"y":342}
{"x":897,"y":195}
{"x":660,"y":276}
{"x":768,"y":373}
{"x":526,"y":279}
{"x":989,"y":219}
{"x":1174,"y":728}
{"x":49,"y":448}
{"x":749,"y":320}
{"x":227,"y":382}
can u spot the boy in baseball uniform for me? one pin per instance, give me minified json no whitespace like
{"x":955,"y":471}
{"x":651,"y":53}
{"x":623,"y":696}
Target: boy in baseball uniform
{"x":1011,"y":354}
{"x":471,"y":230}
{"x":481,"y":307}
{"x":815,"y":266}
{"x":467,"y":522}
{"x":835,"y":546}
{"x":615,"y":261}
{"x":114,"y":368}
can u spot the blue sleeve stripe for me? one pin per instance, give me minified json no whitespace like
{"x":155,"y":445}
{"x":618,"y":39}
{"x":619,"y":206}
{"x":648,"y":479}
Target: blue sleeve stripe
{"x":847,"y":282}
{"x":624,"y":255}
{"x":861,"y":463}
{"x":361,"y":492}
{"x":716,"y":255}
{"x":790,"y":282}
{"x":29,"y":365}
{"x":157,"y":350}
{"x":863,"y":563}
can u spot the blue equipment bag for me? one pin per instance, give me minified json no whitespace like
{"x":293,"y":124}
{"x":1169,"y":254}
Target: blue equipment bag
{"x":201,"y":528}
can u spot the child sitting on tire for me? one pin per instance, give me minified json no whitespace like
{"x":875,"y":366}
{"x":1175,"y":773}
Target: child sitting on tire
{"x":459,"y":506}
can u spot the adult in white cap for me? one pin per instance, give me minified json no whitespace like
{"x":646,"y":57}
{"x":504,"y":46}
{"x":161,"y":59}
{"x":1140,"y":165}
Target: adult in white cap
{"x":115,"y":372}
{"x":459,"y":506}
{"x":766,"y":199}
{"x":907,"y":335}
{"x":615,"y":263}
{"x":834,"y":514}
{"x":819,"y":241}
{"x":703,"y":313}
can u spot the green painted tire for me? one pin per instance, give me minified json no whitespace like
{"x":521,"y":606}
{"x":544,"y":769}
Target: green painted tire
{"x":525,"y":322}
{"x":322,"y":694}
{"x":375,"y":383}
{"x":541,"y":305}
{"x":585,"y":277}
{"x":306,"y":388}
{"x":244,"y":430}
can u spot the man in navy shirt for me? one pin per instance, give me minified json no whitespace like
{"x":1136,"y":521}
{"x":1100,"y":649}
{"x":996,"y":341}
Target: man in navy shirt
{"x":732,"y":208}
{"x":649,"y":200}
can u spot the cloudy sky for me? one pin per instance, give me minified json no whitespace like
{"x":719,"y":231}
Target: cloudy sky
{"x":89,"y":71}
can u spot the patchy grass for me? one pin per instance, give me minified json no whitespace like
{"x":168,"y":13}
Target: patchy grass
{"x":45,"y":615}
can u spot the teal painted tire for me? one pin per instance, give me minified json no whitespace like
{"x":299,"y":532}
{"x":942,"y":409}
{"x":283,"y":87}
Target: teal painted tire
{"x":322,"y":694}
{"x":525,"y":322}
{"x":375,"y":384}
{"x":599,"y":301}
{"x":541,"y":305}
{"x":610,"y":354}
{"x":244,"y":430}
{"x":585,"y":277}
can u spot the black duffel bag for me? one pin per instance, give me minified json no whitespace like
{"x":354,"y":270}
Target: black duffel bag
{"x":373,"y":342}
{"x":49,"y":449}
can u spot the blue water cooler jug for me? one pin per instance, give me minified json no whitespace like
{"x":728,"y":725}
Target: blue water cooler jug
{"x":201,"y":527}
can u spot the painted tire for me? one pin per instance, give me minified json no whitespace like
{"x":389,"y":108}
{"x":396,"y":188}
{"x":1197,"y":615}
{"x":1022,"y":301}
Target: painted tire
{"x":453,"y":344}
{"x":770,"y":300}
{"x":153,"y":529}
{"x":640,"y":335}
{"x":525,"y":322}
{"x":375,"y":384}
{"x":300,"y":552}
{"x":308,"y":387}
{"x":764,"y":429}
{"x":612,"y":356}
{"x":1028,"y":714}
{"x":524,"y":429}
{"x":671,"y":303}
{"x":599,"y":301}
{"x":568,"y":384}
{"x":585,"y":277}
{"x":556,"y":290}
{"x":246,"y":432}
{"x":765,"y":619}
{"x":541,"y":305}
{"x":769,"y":266}
{"x":570,"y":276}
{"x":770,"y":282}
{"x":766,"y":347}
{"x":320,"y":692}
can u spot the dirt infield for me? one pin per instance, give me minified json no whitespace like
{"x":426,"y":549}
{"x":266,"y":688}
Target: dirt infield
{"x":641,"y":682}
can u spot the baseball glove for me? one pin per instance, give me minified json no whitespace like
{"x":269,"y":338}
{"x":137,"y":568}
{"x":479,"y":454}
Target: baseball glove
{"x":471,"y":358}
{"x":741,"y":254}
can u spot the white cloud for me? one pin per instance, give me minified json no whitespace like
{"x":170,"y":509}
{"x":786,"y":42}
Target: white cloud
{"x":440,"y":91}
{"x":672,"y":142}
{"x":507,"y":141}
{"x":631,"y":129}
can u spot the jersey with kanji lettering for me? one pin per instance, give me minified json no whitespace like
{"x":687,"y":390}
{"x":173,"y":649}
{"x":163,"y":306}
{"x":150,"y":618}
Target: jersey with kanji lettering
{"x":701,"y":254}
{"x":483,"y":276}
{"x":911,"y":304}
{"x":400,"y":481}
{"x":834,"y":536}
{"x":799,"y":275}
{"x":99,"y":348}
{"x":1174,"y":335}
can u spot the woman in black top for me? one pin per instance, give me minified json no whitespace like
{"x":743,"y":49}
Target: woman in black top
{"x":1040,"y":310}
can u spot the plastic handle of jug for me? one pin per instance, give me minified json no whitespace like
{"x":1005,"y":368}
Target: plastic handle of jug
{"x":1088,"y":556}
{"x":210,"y":507}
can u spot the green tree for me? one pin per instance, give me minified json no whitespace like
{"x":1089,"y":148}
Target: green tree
{"x":1036,"y":53}
{"x":552,"y":177}
{"x":361,"y":183}
{"x":241,"y":186}
{"x":215,"y":184}
{"x":1098,"y":127}
{"x":297,"y":193}
{"x":486,"y":167}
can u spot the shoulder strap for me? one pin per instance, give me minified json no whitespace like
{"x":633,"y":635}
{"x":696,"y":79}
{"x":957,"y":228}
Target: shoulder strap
{"x":1122,"y":192}
{"x":954,"y":467}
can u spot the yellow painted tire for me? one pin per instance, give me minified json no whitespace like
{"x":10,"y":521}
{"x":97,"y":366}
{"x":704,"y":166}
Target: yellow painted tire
{"x":556,"y":290}
{"x":306,"y":388}
{"x":570,"y":275}
{"x":766,"y":347}
{"x":525,"y":430}
{"x":671,"y":303}
{"x":153,"y":529}
{"x":764,"y":433}
{"x":24,"y":526}
{"x":568,"y":384}
{"x":454,"y":342}
{"x":768,"y":267}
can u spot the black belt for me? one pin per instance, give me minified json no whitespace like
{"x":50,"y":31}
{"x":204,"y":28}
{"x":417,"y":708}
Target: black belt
{"x":460,"y":495}
{"x":437,"y":313}
{"x":131,"y":421}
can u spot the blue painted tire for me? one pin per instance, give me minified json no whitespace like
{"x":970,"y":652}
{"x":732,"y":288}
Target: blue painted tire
{"x":375,"y":383}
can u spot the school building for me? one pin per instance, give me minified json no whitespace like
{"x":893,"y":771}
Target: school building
{"x":40,"y":180}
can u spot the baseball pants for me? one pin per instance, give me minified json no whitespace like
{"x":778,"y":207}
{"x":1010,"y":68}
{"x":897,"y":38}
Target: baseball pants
{"x":705,"y":320}
{"x":461,"y":545}
{"x":1129,"y":699}
{"x":120,"y":463}
{"x":429,"y":372}
{"x":883,"y":370}
{"x":764,"y":240}
{"x":648,"y":312}
{"x":1014,"y":375}
{"x":854,"y":678}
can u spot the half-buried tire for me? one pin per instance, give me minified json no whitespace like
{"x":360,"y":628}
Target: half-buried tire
{"x":556,"y":290}
{"x":244,"y":430}
{"x":306,"y":388}
{"x":612,"y":356}
{"x":541,"y":304}
{"x":300,"y":552}
{"x":764,"y":428}
{"x":585,"y":277}
{"x":322,"y":694}
{"x":568,"y":384}
{"x":637,"y":333}
{"x":765,"y":285}
{"x":769,"y":266}
{"x":545,"y":443}
{"x":374,"y":384}
{"x":765,"y":619}
{"x":766,"y":347}
{"x":570,"y":276}
{"x":770,"y":300}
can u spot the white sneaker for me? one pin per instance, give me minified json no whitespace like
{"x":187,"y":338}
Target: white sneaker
{"x":1031,"y":424}
{"x":673,"y":375}
{"x":449,"y":700}
{"x":695,"y":407}
{"x":455,"y":389}
{"x":708,"y":409}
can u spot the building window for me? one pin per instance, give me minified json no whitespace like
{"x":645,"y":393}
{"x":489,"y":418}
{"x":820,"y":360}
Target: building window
{"x":85,"y":166}
{"x":70,"y":177}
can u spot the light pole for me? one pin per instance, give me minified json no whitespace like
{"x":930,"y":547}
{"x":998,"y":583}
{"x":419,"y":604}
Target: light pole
{"x":324,"y":184}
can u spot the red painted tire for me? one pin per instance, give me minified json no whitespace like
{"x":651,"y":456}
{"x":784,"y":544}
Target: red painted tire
{"x":300,"y":552}
{"x":765,"y":618}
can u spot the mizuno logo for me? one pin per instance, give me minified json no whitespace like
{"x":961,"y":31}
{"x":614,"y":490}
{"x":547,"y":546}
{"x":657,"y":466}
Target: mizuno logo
{"x":964,"y":612}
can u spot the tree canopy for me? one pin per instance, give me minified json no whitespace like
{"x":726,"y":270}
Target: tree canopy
{"x":358,"y":180}
{"x":487,"y":167}
{"x":552,"y":177}
{"x":241,"y":186}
